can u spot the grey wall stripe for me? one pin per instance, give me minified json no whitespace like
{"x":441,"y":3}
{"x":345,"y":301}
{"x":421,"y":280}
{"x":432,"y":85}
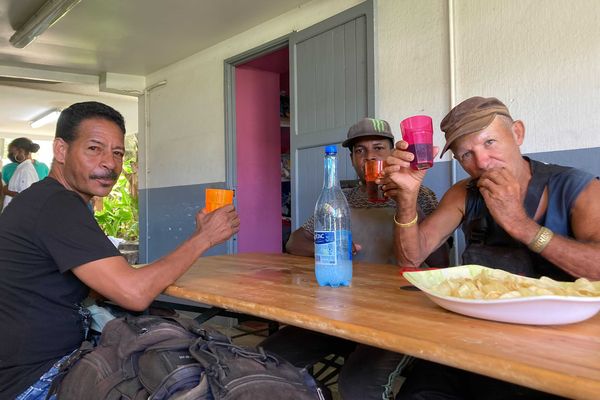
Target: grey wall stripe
{"x":171,"y":220}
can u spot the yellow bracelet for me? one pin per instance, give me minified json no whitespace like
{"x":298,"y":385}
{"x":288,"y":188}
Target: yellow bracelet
{"x":541,"y":240}
{"x":408,"y":224}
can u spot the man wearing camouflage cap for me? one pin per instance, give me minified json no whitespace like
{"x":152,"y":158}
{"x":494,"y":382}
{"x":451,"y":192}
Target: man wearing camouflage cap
{"x":517,"y":214}
{"x":372,"y":231}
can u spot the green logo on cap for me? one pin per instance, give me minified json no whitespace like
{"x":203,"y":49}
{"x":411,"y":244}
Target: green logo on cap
{"x":378,"y":125}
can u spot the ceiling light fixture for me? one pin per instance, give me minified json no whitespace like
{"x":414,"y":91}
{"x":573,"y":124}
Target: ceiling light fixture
{"x":50,"y":12}
{"x":46,"y":118}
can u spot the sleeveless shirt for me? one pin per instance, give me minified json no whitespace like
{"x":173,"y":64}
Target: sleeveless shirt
{"x":488,"y":244}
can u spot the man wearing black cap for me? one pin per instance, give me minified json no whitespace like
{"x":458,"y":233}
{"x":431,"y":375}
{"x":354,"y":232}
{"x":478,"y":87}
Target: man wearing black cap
{"x":368,"y":372}
{"x":517,"y":214}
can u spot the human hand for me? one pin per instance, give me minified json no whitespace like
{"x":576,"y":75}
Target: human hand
{"x":356,"y":248}
{"x":398,"y":177}
{"x":219,"y":225}
{"x":390,"y":188}
{"x":503,"y":197}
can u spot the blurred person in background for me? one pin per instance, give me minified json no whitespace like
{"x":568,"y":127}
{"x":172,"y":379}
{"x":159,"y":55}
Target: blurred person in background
{"x":9,"y":169}
{"x":1,"y":188}
{"x":23,"y":171}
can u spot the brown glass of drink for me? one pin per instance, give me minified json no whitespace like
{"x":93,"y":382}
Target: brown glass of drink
{"x":374,"y":170}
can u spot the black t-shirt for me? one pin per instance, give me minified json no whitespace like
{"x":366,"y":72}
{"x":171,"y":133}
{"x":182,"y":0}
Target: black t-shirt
{"x":44,"y":232}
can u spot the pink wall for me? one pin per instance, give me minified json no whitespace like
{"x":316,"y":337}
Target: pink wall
{"x":258,"y":144}
{"x":277,"y":61}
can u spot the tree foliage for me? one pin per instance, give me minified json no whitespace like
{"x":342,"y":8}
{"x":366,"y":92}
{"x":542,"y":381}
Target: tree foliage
{"x":120,"y":212}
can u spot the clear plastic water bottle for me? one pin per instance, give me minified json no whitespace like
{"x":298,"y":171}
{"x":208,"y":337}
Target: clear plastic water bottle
{"x":333,"y":236}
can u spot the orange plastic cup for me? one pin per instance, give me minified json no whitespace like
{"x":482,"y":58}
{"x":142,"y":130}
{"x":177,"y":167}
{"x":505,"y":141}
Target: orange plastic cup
{"x":217,"y":198}
{"x":373,"y":170}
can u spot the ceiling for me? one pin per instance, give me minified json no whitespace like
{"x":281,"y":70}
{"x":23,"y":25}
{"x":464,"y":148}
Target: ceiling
{"x":135,"y":37}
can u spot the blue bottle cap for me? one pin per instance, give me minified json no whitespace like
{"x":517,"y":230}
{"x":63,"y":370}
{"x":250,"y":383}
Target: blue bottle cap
{"x":331,"y":149}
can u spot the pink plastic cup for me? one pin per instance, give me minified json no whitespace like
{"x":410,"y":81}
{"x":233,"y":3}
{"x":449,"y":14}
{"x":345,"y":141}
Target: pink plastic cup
{"x":417,"y":131}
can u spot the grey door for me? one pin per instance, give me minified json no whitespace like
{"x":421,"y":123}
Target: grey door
{"x":331,"y":70}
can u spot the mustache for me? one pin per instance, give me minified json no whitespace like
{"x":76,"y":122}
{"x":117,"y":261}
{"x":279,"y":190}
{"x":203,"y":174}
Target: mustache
{"x":112,"y":175}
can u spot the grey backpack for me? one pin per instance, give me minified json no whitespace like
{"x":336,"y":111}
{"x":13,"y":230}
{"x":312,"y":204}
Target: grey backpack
{"x":155,"y":358}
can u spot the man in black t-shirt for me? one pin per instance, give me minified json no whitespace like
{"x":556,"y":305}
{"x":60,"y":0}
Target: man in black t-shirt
{"x":52,"y":252}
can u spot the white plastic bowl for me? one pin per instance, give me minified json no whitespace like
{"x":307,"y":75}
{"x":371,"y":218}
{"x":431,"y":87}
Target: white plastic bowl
{"x":534,"y":310}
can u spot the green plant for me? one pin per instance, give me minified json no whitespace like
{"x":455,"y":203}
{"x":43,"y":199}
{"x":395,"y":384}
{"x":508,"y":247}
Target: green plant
{"x":119,"y":214}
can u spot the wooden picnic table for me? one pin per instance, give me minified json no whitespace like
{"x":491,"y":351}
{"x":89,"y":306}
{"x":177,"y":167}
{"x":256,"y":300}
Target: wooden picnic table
{"x":382,"y":309}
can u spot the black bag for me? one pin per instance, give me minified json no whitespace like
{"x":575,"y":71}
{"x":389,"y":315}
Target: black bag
{"x":237,"y":373}
{"x":149,"y":357}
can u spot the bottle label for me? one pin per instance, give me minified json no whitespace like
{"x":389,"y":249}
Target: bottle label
{"x":327,"y":247}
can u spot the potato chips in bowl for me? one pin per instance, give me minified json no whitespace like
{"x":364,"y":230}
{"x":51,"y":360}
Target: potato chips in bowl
{"x":498,"y":295}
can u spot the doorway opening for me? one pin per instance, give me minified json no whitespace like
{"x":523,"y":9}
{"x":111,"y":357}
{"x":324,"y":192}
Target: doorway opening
{"x":260,"y":171}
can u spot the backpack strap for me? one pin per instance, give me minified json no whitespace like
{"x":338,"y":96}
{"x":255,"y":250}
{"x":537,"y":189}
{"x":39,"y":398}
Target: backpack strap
{"x":193,"y":325}
{"x":236,"y":372}
{"x":141,"y":324}
{"x":216,"y":357}
{"x":208,"y":314}
{"x":66,"y":366}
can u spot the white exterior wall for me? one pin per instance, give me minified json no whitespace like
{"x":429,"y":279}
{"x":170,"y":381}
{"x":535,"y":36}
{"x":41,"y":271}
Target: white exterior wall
{"x":541,"y":57}
{"x":186,"y":139}
{"x":412,"y":62}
